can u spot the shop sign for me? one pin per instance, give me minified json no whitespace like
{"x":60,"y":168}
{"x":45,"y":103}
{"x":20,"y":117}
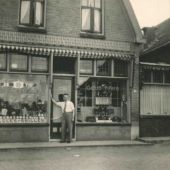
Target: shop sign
{"x":17,"y":84}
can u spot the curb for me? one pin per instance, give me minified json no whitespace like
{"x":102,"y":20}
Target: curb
{"x":10,"y":146}
{"x":154,"y":141}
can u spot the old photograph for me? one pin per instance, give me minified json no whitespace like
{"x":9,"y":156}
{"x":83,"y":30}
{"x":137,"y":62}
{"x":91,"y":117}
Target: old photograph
{"x":84,"y":84}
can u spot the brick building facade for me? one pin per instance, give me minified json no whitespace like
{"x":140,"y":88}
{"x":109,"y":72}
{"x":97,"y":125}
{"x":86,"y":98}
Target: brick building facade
{"x":89,"y":49}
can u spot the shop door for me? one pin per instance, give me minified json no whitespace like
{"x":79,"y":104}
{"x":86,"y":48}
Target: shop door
{"x":61,"y":86}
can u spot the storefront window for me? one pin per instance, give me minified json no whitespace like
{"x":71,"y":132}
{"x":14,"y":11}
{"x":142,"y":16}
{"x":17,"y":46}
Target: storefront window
{"x":3,"y":61}
{"x":86,"y":67}
{"x":39,"y":64}
{"x":120,"y":68}
{"x":102,"y":100}
{"x":23,"y":98}
{"x":64,"y":65}
{"x":103,"y":67}
{"x":157,"y":76}
{"x":167,"y":76}
{"x":18,"y":62}
{"x":147,"y":76}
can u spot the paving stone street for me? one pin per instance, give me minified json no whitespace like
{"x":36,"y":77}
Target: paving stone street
{"x":150,"y":157}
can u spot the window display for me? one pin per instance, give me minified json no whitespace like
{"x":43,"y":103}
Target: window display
{"x":23,"y":98}
{"x":104,"y":100}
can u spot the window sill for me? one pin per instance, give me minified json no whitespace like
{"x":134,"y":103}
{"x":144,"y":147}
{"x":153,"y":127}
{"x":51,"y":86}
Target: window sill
{"x":91,"y":35}
{"x":103,"y":123}
{"x":31,"y":29}
{"x":160,"y":84}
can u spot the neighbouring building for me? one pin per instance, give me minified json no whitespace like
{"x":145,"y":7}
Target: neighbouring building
{"x":155,"y":82}
{"x":87,"y":48}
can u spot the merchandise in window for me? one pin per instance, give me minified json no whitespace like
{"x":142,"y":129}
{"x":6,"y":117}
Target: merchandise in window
{"x":86,"y":66}
{"x":120,"y":68}
{"x":32,"y":13}
{"x":91,"y":16}
{"x":23,"y":98}
{"x":39,"y":64}
{"x":85,"y":92}
{"x":103,"y":67}
{"x":102,"y":101}
{"x":3,"y":61}
{"x":18,"y":62}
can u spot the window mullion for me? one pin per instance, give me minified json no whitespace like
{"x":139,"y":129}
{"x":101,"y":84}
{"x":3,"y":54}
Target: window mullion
{"x":92,"y":20}
{"x":32,"y":13}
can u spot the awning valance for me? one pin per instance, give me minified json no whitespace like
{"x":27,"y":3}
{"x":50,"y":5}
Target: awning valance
{"x":63,"y":52}
{"x":155,"y":66}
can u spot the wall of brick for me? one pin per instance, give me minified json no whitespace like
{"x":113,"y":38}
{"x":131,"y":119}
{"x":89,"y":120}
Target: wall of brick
{"x":135,"y":99}
{"x":63,"y":18}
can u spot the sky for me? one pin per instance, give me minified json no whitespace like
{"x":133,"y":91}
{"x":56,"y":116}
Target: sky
{"x":151,"y":12}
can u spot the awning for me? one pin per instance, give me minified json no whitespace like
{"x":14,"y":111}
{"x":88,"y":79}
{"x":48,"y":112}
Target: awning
{"x":155,"y":66}
{"x":67,"y":52}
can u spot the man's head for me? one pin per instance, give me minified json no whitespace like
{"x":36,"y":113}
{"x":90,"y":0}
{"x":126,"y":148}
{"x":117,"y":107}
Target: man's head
{"x":66,"y":97}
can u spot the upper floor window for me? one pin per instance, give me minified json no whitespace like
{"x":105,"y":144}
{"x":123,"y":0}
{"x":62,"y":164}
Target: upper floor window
{"x":32,"y":13}
{"x":91,"y":12}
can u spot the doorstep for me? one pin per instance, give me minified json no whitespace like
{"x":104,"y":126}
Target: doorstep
{"x":154,"y":140}
{"x":57,"y":144}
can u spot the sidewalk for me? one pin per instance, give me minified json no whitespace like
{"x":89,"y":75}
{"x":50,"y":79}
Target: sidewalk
{"x":155,"y":140}
{"x":56,"y":144}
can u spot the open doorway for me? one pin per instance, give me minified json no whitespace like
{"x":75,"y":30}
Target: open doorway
{"x":61,"y":85}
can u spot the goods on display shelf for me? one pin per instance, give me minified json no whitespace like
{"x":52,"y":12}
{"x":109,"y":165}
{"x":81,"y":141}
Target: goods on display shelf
{"x":23,"y":119}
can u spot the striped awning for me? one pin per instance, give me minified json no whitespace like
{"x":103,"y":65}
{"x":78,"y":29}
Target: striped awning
{"x":67,"y":52}
{"x":155,"y":66}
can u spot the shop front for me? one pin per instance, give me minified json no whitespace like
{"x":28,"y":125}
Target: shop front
{"x":98,"y":85}
{"x":99,"y":88}
{"x":154,"y":100}
{"x":23,"y":97}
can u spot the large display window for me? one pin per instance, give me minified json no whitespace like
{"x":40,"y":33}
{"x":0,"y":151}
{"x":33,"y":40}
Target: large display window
{"x":102,"y":100}
{"x":23,"y":98}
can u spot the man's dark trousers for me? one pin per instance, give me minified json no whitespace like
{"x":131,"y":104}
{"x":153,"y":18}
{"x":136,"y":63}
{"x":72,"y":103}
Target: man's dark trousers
{"x":67,"y":125}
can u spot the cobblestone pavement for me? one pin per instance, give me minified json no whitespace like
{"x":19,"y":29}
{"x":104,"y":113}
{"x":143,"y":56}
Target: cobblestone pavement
{"x":154,"y":157}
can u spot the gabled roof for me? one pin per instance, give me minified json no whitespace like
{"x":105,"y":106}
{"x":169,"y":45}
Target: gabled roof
{"x":134,"y":22}
{"x":157,"y":36}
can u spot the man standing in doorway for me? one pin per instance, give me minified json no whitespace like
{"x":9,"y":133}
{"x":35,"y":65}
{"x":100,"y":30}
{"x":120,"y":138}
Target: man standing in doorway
{"x":67,"y":118}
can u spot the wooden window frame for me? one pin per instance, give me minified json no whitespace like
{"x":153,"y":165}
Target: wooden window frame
{"x":5,"y":55}
{"x":15,"y":70}
{"x":38,"y":71}
{"x":109,"y":62}
{"x":122,"y":63}
{"x":91,"y":33}
{"x":31,"y":26}
{"x":92,"y":67}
